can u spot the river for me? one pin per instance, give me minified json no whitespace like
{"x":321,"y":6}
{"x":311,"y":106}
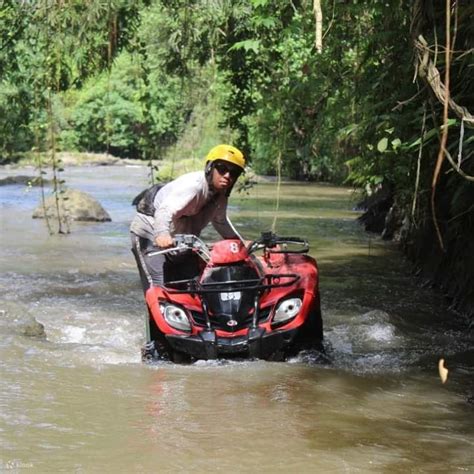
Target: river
{"x":80,"y":400}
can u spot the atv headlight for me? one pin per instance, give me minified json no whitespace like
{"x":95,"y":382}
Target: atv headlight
{"x":176,"y":317}
{"x":287,"y":310}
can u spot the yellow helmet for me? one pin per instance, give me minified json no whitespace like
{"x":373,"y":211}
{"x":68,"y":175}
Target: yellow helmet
{"x":226,"y":153}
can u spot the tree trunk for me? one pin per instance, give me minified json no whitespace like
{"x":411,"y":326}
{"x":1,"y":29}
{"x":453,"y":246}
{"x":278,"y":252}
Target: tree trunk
{"x":318,"y":15}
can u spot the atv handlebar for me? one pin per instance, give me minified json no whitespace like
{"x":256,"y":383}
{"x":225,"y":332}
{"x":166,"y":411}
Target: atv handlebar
{"x":185,"y":242}
{"x":268,"y":241}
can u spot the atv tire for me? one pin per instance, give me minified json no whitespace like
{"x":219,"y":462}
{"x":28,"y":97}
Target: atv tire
{"x":311,"y":334}
{"x":180,"y":357}
{"x":149,"y":352}
{"x":154,"y":350}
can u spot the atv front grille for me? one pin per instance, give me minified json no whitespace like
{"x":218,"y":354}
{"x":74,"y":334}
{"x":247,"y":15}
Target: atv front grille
{"x":242,"y":322}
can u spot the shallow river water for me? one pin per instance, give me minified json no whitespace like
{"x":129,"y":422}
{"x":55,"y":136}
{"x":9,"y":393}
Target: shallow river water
{"x":80,"y":400}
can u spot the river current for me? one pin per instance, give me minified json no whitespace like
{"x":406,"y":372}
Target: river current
{"x":80,"y":400}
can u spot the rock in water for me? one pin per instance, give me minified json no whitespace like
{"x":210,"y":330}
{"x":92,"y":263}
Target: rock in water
{"x":31,"y":328}
{"x":75,"y":205}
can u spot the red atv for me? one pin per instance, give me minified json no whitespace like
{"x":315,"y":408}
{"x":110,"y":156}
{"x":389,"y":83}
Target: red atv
{"x":239,"y":305}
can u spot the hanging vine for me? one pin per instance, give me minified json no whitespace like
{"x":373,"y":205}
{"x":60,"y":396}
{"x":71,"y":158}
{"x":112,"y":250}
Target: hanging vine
{"x":39,"y":160}
{"x":50,"y":35}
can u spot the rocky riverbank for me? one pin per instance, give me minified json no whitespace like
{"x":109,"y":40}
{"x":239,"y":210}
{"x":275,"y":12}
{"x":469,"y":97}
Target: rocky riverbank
{"x":73,"y":159}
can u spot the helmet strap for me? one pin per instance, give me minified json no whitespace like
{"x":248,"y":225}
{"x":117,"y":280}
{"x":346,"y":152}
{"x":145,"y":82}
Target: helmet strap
{"x":208,"y":169}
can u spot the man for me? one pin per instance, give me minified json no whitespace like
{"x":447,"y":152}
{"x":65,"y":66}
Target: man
{"x":184,"y":206}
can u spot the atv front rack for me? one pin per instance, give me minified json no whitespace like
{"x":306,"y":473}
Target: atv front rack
{"x":257,"y":284}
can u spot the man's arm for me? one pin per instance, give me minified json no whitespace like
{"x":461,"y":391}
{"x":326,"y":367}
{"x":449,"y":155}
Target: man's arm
{"x":170,"y":205}
{"x":222,"y":223}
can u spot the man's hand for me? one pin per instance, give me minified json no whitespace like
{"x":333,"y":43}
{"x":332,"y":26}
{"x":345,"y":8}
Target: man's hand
{"x":164,"y":241}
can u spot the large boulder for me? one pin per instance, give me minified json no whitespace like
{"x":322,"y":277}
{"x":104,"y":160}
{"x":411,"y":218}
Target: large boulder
{"x":75,"y":205}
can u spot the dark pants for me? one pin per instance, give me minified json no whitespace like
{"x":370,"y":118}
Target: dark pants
{"x":155,"y":270}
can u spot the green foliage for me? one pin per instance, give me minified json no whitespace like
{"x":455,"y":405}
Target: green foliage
{"x":15,"y":137}
{"x":103,"y":113}
{"x":135,"y":78}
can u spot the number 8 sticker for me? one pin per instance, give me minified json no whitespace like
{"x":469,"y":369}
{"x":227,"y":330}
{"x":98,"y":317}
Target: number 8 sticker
{"x":234,"y":247}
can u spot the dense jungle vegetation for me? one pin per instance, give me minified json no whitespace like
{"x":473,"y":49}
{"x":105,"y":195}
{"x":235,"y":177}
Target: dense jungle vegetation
{"x":377,"y":94}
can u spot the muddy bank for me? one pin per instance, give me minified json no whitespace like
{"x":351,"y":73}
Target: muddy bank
{"x":449,"y":270}
{"x":449,"y":267}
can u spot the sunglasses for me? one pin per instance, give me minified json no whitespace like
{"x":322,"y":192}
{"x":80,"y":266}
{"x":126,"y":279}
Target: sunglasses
{"x":223,"y":169}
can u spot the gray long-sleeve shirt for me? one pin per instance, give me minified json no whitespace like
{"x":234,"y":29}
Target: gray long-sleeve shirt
{"x":185,"y":206}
